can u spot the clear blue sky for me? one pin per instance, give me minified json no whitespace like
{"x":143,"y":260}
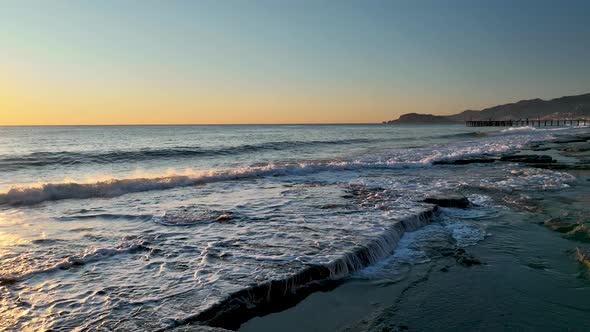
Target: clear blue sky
{"x":283,"y":61}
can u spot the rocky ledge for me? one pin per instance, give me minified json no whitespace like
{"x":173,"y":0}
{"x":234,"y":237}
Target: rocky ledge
{"x":528,"y":159}
{"x":452,"y":201}
{"x":583,"y":257}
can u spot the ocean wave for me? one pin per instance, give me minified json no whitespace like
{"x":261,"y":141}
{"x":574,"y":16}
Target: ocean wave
{"x":390,"y":159}
{"x":518,"y":129}
{"x":39,"y":159}
{"x":524,"y":129}
{"x":116,"y":187}
{"x":472,"y":134}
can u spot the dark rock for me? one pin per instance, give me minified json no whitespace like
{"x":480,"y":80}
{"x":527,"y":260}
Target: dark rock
{"x":570,"y":140}
{"x":7,"y":280}
{"x":463,"y":258}
{"x":468,"y":261}
{"x":573,"y":150}
{"x":224,"y":217}
{"x":333,"y":206}
{"x":445,"y":252}
{"x":559,"y":166}
{"x":453,"y":201}
{"x":541,"y":149}
{"x":465,"y":161}
{"x":528,"y":159}
{"x":558,"y":225}
{"x":579,"y":233}
{"x":583,"y":257}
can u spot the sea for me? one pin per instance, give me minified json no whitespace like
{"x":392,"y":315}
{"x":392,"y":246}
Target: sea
{"x":175,"y":227}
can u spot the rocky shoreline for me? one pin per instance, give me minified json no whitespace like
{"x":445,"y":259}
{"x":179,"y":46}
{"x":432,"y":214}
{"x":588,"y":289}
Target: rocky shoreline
{"x":564,"y":153}
{"x":559,"y":212}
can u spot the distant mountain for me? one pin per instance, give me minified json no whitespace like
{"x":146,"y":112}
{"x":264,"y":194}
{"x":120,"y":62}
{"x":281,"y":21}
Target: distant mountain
{"x":422,"y":118}
{"x":568,"y":107}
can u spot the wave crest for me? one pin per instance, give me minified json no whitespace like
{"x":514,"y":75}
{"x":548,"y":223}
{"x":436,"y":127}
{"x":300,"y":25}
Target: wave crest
{"x":38,"y":159}
{"x":395,"y":158}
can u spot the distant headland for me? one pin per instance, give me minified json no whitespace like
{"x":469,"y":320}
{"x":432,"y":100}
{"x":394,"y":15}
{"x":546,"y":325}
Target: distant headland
{"x":558,"y":108}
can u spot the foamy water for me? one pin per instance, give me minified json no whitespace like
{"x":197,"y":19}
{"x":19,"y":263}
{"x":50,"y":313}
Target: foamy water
{"x":156,"y":227}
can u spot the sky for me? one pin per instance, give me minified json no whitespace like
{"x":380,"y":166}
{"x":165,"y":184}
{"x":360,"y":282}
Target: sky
{"x":273,"y":61}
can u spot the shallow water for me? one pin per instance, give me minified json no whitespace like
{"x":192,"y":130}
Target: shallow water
{"x":147,"y":227}
{"x":528,"y":279}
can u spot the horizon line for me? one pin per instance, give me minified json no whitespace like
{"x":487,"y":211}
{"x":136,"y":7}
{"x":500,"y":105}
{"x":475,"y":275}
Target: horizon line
{"x":188,"y":124}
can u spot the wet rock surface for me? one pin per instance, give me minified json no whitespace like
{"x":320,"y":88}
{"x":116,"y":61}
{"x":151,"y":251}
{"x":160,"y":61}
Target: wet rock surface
{"x":581,"y":232}
{"x":572,"y":139}
{"x":452,"y":201}
{"x":576,"y":149}
{"x":560,"y":225}
{"x":462,"y":257}
{"x":528,"y":159}
{"x":583,"y":256}
{"x":465,"y":161}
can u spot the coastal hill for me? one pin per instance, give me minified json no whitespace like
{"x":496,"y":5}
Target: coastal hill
{"x":422,"y":118}
{"x":559,"y":108}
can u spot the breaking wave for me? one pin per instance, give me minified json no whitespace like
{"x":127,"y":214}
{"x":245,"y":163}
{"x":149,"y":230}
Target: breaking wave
{"x":395,"y":158}
{"x":473,"y":134}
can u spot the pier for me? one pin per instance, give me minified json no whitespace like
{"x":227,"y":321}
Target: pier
{"x":526,"y":122}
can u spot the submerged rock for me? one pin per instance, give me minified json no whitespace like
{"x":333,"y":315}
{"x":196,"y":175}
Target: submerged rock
{"x":461,"y":256}
{"x":559,"y":225}
{"x":583,"y":257}
{"x":570,"y":140}
{"x":468,"y":260}
{"x":580,"y":233}
{"x":573,"y":230}
{"x":7,"y":280}
{"x":194,"y":215}
{"x":560,"y":166}
{"x":453,"y":201}
{"x":528,"y":158}
{"x":224,"y":217}
{"x":465,"y":161}
{"x":576,"y":149}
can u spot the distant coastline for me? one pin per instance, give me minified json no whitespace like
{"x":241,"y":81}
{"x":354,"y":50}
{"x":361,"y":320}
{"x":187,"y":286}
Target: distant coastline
{"x":559,"y":108}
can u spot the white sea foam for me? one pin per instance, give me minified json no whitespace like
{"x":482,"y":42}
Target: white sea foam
{"x":92,"y":255}
{"x":394,"y":158}
{"x":518,"y":129}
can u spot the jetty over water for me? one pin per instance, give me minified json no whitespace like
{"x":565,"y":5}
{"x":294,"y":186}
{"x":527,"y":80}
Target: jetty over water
{"x":526,"y":122}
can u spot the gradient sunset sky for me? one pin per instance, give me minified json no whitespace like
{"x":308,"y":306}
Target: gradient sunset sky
{"x":140,"y":62}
